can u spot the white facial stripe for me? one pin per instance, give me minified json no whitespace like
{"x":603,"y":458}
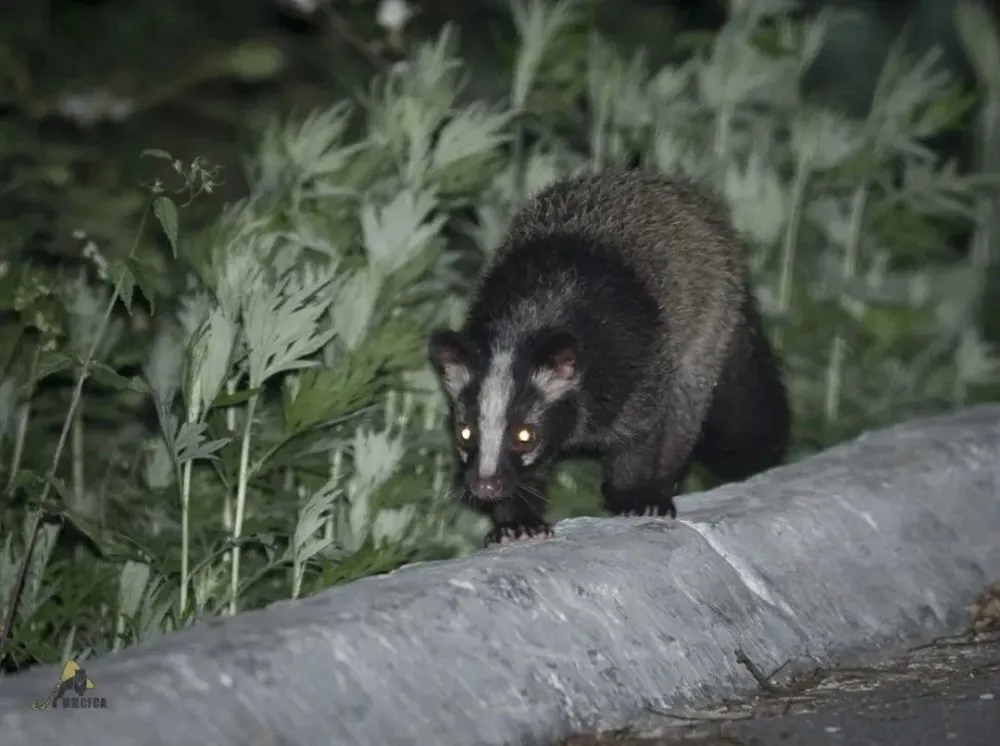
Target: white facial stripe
{"x":494,"y":398}
{"x":551,"y":386}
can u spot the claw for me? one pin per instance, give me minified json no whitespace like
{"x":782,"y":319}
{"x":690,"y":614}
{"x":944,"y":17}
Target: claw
{"x":510,"y":534}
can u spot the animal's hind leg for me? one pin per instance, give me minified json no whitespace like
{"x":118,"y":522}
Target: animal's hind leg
{"x":748,"y":423}
{"x":643,"y":475}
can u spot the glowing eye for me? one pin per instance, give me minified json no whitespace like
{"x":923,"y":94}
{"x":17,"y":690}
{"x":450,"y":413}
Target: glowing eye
{"x":464,"y":432}
{"x":524,"y":437}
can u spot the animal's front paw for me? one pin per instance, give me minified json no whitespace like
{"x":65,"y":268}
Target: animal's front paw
{"x":655,"y":499}
{"x":508,"y":534}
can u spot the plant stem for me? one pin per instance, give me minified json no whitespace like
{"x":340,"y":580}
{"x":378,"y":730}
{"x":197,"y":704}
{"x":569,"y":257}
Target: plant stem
{"x":24,"y":414}
{"x":986,"y":238}
{"x":791,"y":241}
{"x":336,"y":464}
{"x":193,"y":415}
{"x":22,"y":578}
{"x":723,"y":132}
{"x":85,"y":368}
{"x":439,"y":475}
{"x":241,"y":501}
{"x":76,"y":447}
{"x":520,"y":168}
{"x":834,"y":378}
{"x":77,"y":491}
{"x":227,"y":506}
{"x":185,"y":536}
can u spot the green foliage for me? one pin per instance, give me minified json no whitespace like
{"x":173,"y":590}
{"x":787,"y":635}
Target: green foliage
{"x":298,"y":435}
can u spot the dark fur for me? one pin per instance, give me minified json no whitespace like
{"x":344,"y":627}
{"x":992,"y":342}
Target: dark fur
{"x":641,"y":283}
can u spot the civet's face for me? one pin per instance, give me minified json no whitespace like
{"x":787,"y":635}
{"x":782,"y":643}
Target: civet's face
{"x":509,"y":407}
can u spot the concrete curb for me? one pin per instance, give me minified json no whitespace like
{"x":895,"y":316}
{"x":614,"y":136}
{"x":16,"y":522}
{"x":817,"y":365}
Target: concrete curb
{"x":872,"y":544}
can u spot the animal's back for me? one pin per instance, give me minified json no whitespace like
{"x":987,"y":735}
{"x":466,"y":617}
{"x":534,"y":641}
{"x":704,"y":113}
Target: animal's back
{"x":653,"y":220}
{"x":677,"y":240}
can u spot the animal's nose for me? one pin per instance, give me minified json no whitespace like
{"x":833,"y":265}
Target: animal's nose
{"x":486,"y":488}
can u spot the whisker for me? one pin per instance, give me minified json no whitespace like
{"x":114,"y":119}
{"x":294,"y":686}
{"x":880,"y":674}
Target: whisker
{"x":530,"y":490}
{"x":520,"y":496}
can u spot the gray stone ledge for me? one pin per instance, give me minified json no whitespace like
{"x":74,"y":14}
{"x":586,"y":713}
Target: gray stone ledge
{"x":876,"y":543}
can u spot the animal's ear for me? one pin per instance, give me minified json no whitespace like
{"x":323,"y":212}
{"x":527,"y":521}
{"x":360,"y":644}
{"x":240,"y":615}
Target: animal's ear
{"x":556,"y":364}
{"x":450,"y":357}
{"x":557,"y":352}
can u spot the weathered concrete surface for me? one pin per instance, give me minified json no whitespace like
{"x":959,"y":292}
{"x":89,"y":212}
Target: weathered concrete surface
{"x":866,"y":547}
